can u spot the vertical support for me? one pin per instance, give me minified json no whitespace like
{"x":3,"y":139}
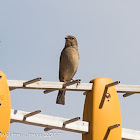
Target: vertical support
{"x":5,"y":107}
{"x":100,"y":119}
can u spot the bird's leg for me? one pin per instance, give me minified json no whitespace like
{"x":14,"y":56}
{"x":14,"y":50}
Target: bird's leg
{"x":74,"y":80}
{"x":78,"y":83}
{"x":66,"y":82}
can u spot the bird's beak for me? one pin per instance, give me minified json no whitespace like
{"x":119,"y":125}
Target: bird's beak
{"x":67,"y":37}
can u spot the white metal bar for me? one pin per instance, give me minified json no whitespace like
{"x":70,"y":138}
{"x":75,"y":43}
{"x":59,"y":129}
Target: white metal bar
{"x":50,"y":122}
{"x":44,"y":85}
{"x":128,"y":88}
{"x":128,"y":134}
{"x":49,"y":85}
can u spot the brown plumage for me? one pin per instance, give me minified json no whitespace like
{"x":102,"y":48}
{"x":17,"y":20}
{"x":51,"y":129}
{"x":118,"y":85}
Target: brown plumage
{"x":68,"y":64}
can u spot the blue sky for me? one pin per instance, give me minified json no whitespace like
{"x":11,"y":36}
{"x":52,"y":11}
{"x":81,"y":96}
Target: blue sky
{"x":32,"y":34}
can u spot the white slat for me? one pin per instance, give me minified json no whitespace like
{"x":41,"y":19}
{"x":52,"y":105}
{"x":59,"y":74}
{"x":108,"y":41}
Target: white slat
{"x":13,"y":84}
{"x":128,"y":134}
{"x":52,"y":122}
{"x":128,"y":88}
{"x":49,"y":121}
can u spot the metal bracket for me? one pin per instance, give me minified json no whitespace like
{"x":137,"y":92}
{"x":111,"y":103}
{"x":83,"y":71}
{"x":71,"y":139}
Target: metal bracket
{"x":105,"y":92}
{"x":70,"y":121}
{"x":85,"y":93}
{"x":31,"y":114}
{"x":11,"y":121}
{"x":71,"y":83}
{"x":128,"y":94}
{"x":64,"y":85}
{"x":109,"y":129}
{"x":48,"y":91}
{"x":12,"y":89}
{"x":47,"y":129}
{"x":31,"y":81}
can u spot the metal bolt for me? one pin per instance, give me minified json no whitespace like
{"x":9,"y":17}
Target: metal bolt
{"x":107,"y":95}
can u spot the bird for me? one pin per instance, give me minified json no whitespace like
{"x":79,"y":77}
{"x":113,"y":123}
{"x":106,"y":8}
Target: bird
{"x":68,"y":64}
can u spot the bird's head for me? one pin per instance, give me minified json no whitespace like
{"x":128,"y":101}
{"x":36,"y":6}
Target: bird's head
{"x":70,"y":41}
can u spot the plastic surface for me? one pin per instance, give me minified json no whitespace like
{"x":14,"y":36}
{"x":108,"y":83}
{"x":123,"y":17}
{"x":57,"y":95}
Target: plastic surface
{"x":5,"y":107}
{"x":101,"y":119}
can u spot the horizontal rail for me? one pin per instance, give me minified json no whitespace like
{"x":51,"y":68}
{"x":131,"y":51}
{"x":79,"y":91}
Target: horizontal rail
{"x":49,"y":122}
{"x":129,"y":134}
{"x":128,"y":88}
{"x":45,"y":85}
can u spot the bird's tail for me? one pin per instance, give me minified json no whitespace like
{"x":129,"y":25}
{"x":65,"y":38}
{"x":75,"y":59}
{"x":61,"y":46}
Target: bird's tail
{"x":61,"y":97}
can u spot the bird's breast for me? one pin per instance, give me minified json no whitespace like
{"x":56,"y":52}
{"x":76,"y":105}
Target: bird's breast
{"x":68,"y":63}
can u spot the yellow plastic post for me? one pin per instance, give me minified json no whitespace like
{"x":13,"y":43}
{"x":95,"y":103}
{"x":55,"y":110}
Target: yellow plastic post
{"x":102,"y":111}
{"x":5,"y":107}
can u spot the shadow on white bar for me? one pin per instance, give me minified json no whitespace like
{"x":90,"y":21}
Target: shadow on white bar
{"x":49,"y":121}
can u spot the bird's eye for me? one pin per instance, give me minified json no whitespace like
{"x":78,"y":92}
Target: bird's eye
{"x":72,"y":38}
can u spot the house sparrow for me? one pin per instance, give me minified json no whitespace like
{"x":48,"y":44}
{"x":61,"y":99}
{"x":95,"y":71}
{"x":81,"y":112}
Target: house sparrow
{"x":68,"y":64}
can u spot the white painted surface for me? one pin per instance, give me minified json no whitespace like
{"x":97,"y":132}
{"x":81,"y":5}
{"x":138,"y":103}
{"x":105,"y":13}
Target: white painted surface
{"x":49,"y":121}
